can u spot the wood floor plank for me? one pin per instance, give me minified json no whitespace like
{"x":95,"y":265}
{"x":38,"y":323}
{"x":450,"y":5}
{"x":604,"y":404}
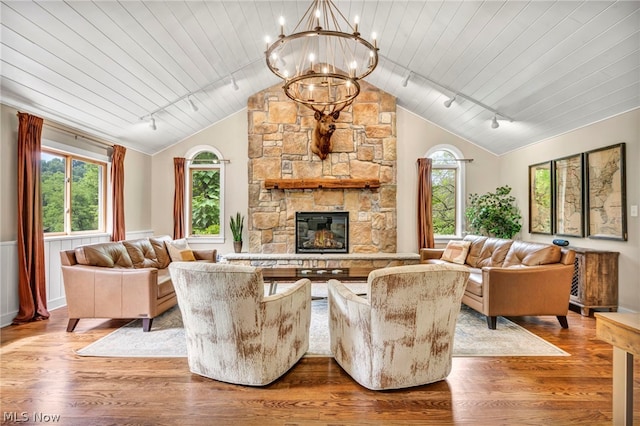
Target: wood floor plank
{"x":41,"y":375}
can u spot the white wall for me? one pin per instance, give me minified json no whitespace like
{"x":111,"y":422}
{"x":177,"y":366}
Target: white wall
{"x":137,"y":194}
{"x":229,"y":137}
{"x":415,"y":137}
{"x":623,"y":128}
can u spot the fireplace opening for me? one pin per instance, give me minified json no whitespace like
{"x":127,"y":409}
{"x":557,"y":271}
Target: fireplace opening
{"x":322,"y":232}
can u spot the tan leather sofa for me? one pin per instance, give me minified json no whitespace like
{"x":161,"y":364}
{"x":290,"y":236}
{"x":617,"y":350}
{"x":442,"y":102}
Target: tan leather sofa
{"x":125,"y":279}
{"x":514,"y":278}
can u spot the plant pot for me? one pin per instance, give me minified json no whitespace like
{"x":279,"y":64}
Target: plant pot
{"x":237,"y":246}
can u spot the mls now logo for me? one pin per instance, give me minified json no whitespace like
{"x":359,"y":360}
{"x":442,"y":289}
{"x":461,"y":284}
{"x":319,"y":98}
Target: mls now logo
{"x":20,"y":417}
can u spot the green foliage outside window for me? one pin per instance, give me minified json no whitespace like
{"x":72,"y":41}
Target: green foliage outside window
{"x":443,"y":201}
{"x":444,"y":176}
{"x":85,"y":188}
{"x":52,"y":189}
{"x":205,"y":195}
{"x":85,"y":193}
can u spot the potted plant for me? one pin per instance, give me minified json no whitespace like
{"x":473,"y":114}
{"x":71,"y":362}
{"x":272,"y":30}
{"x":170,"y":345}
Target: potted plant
{"x":494,"y":214}
{"x":237,"y":223}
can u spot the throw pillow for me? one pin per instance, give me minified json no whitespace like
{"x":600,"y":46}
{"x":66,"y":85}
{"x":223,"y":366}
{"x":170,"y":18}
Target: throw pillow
{"x":179,"y":251}
{"x":456,"y":251}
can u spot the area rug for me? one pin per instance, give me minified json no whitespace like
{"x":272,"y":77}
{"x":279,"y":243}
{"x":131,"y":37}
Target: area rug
{"x":473,"y":338}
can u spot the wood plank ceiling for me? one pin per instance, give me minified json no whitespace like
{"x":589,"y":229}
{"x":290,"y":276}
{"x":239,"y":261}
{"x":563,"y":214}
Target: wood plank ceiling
{"x":103,"y":67}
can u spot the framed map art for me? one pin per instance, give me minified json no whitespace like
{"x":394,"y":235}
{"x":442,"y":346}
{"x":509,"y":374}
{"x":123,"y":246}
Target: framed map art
{"x":540,"y":199}
{"x":569,"y":217}
{"x":606,"y":193}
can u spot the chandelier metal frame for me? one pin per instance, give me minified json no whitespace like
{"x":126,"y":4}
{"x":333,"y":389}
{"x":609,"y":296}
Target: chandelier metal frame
{"x":343,"y":58}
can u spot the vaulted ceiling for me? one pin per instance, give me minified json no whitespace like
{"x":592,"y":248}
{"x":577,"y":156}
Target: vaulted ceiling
{"x":103,"y":67}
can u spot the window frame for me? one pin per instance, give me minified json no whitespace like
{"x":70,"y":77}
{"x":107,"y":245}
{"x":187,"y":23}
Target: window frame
{"x":70,"y":154}
{"x":193,"y":153}
{"x":459,"y":169}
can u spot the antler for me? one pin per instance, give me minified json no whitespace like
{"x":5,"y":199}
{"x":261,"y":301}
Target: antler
{"x":336,"y":109}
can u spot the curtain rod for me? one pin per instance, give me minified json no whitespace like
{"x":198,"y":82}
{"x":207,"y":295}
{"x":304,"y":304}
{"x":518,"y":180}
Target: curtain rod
{"x":95,"y":141}
{"x":216,"y":161}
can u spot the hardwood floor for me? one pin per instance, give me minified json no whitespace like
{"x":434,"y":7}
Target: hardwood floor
{"x":41,"y":376}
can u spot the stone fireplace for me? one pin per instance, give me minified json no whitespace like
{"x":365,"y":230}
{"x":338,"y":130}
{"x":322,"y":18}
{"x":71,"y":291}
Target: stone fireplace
{"x":364,"y":148}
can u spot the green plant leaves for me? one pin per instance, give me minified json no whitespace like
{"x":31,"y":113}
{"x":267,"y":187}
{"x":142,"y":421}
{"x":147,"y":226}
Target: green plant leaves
{"x":494,"y":214}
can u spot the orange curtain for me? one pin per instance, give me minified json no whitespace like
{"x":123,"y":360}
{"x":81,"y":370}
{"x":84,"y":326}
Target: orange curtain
{"x":425,"y":220}
{"x":117,"y":185}
{"x":178,"y":198}
{"x":32,"y":286}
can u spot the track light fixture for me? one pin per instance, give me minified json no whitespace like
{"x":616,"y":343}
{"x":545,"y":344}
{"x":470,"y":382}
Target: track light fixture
{"x":443,"y":88}
{"x":216,"y":83}
{"x":494,"y":122}
{"x":449,"y":101}
{"x":405,"y":81}
{"x":193,"y":106}
{"x":153,"y":123}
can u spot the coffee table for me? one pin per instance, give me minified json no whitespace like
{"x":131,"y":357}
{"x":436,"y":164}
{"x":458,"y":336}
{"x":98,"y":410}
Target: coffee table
{"x":273,"y":275}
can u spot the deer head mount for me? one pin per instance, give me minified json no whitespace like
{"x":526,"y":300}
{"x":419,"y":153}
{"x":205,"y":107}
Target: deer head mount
{"x":325,"y":126}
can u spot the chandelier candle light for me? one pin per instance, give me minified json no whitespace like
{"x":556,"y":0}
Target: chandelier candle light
{"x":319,"y":63}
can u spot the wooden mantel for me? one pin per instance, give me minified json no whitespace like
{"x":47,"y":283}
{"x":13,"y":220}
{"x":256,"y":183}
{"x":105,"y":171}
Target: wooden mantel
{"x":328,"y":183}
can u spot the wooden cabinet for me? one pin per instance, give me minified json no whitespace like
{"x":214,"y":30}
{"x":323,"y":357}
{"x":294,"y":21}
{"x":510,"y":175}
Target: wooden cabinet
{"x":595,"y":280}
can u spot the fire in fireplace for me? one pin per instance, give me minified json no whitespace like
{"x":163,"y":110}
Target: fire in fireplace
{"x":322,"y":232}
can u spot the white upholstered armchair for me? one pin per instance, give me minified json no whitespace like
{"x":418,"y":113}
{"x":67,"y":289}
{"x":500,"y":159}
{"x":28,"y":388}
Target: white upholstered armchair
{"x":401,"y":334}
{"x":234,"y":333}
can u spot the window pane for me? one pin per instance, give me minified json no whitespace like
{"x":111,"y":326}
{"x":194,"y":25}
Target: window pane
{"x":205,"y":157}
{"x":443,"y":158}
{"x":444,"y":201}
{"x":85,"y":196}
{"x":205,"y":202}
{"x":52,"y":186}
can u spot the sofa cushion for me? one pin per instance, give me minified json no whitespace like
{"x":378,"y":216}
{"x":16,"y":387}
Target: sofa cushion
{"x":474,"y":249}
{"x":165,"y":286}
{"x":456,"y":252}
{"x":142,"y":253}
{"x":107,"y":255}
{"x":179,"y":251}
{"x":160,"y":247}
{"x":493,"y":253}
{"x":531,"y":254}
{"x":474,"y":283}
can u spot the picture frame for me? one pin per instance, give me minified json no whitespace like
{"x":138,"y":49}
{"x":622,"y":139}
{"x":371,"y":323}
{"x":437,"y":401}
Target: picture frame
{"x":541,"y":199}
{"x":569,"y":195}
{"x":606,"y":193}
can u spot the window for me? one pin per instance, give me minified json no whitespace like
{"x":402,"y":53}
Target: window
{"x":204,"y":192}
{"x":447,"y":177}
{"x":73,"y":193}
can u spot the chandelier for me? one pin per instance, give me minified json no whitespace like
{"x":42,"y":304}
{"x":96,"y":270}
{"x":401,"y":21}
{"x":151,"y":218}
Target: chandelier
{"x":319,"y":63}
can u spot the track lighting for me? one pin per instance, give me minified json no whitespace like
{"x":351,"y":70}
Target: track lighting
{"x":194,"y":107}
{"x":449,"y":101}
{"x":443,"y":89}
{"x":233,"y":83}
{"x":406,"y":79}
{"x":153,"y":123}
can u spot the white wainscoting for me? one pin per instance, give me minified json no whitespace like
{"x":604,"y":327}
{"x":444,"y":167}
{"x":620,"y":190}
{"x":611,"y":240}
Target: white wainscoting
{"x":9,"y":302}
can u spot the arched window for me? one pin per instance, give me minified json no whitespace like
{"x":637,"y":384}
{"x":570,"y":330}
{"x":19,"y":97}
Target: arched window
{"x":447,"y":182}
{"x":205,"y":194}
